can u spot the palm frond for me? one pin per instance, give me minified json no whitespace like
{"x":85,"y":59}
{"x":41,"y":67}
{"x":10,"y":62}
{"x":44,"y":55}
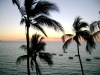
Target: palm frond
{"x":66,"y":35}
{"x":16,"y":2}
{"x":63,"y":38}
{"x":76,"y":23}
{"x":93,"y":26}
{"x":21,"y":9}
{"x":96,"y":35}
{"x":34,"y":39}
{"x":47,"y":57}
{"x":84,"y":34}
{"x":39,"y":28}
{"x":43,"y":7}
{"x":90,"y":44}
{"x":23,"y":47}
{"x":99,"y":25}
{"x":65,"y":45}
{"x":41,"y":39}
{"x":20,"y":59}
{"x":23,"y":20}
{"x":35,"y":42}
{"x":44,"y":20}
{"x":69,"y":35}
{"x":41,"y":46}
{"x":28,"y":5}
{"x":83,"y":25}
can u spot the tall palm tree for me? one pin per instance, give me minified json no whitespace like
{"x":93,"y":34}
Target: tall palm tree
{"x":36,"y":49}
{"x":78,"y":26}
{"x":35,"y":13}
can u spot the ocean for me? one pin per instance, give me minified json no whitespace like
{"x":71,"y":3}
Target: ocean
{"x":10,"y":51}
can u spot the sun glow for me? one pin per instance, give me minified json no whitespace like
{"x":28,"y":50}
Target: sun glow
{"x":11,"y":30}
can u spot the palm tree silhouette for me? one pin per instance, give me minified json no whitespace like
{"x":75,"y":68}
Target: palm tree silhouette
{"x":79,"y":33}
{"x":36,"y":49}
{"x":35,"y":13}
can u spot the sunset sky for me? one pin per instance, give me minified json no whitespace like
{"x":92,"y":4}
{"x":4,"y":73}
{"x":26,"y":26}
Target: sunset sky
{"x":10,"y":28}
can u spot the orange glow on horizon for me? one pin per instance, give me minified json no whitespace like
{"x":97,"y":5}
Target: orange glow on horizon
{"x":12,"y":37}
{"x":24,"y":39}
{"x":52,"y":39}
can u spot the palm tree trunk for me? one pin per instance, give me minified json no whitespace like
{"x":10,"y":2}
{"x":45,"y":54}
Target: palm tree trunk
{"x":27,"y":37}
{"x":36,"y":66}
{"x":80,"y":60}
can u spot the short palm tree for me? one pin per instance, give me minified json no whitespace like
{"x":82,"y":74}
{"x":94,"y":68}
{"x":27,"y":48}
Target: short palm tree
{"x":36,"y":49}
{"x":78,"y":26}
{"x":35,"y":13}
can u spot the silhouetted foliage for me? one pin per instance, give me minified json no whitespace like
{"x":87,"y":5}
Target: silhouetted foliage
{"x":35,"y":13}
{"x":79,"y":33}
{"x":37,"y":49}
{"x":95,"y":26}
{"x":95,"y":29}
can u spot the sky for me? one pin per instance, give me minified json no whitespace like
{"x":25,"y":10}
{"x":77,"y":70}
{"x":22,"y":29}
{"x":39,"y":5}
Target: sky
{"x":11,"y":30}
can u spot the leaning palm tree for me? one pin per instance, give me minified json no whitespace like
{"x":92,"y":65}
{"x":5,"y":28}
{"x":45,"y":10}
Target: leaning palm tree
{"x":35,"y":13}
{"x":78,"y":26}
{"x":36,"y":49}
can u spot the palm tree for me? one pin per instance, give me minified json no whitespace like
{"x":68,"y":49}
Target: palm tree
{"x":35,"y":13}
{"x":36,"y":49}
{"x":78,"y":26}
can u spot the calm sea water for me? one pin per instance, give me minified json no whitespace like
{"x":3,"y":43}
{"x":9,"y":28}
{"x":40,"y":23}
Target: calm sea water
{"x":9,"y":52}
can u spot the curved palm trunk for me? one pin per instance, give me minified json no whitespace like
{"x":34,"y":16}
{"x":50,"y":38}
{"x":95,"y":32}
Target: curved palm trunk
{"x":36,"y":66}
{"x":80,"y":60}
{"x":27,"y":37}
